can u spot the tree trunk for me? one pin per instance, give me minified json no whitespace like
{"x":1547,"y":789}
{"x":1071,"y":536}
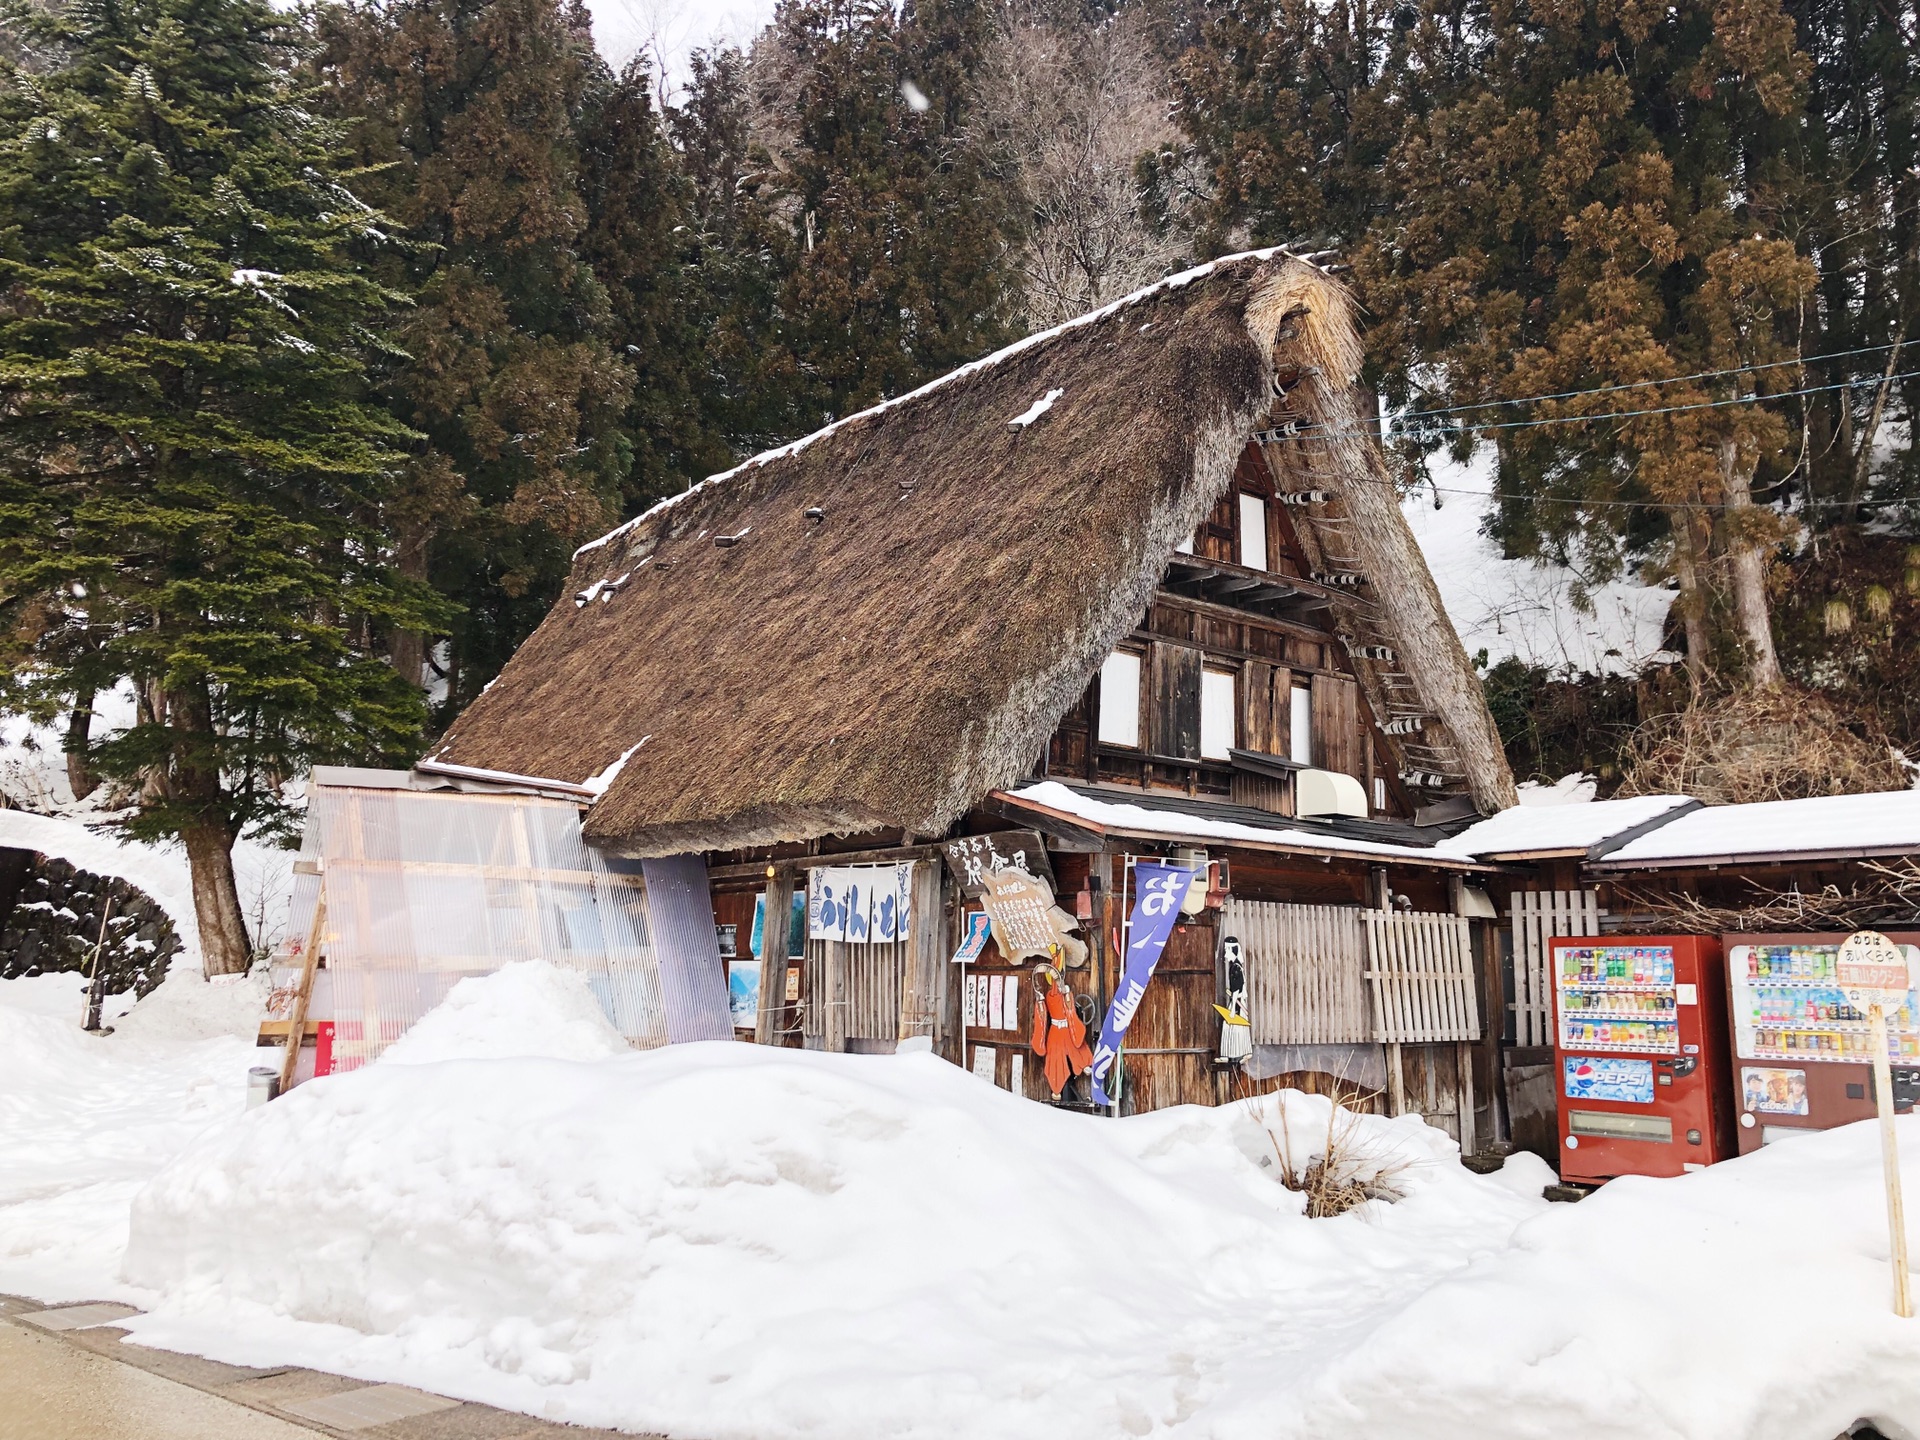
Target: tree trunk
{"x":80,"y":776}
{"x":208,"y":834}
{"x":1693,"y":600}
{"x":224,"y":947}
{"x":1747,"y":574}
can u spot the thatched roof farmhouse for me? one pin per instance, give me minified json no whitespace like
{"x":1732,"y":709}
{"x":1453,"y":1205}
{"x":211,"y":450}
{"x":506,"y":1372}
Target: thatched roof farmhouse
{"x":877,"y":626}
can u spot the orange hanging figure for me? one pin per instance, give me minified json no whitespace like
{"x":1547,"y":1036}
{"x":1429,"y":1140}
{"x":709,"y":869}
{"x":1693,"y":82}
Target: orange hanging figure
{"x":1059,"y":1034}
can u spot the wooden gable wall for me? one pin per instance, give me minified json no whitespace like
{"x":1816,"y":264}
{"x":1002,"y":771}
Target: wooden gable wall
{"x":1181,"y":637}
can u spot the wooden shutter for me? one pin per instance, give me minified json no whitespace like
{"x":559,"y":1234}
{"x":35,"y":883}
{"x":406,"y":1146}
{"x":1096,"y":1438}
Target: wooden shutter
{"x":1336,"y":724}
{"x":1173,"y":707}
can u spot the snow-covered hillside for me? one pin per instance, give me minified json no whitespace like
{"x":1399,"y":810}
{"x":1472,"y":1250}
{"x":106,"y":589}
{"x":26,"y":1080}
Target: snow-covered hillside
{"x":1518,"y":608}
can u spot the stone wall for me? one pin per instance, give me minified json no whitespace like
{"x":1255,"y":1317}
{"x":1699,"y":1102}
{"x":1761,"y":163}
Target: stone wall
{"x":53,"y":925}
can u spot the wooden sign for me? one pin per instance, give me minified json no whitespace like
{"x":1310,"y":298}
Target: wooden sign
{"x":1874,"y":975}
{"x":1021,"y":909}
{"x":972,"y":858}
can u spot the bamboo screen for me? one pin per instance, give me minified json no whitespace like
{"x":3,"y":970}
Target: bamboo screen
{"x":426,"y":888}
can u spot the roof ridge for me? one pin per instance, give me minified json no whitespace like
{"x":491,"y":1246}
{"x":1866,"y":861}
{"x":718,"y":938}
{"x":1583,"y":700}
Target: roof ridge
{"x":972,"y":367}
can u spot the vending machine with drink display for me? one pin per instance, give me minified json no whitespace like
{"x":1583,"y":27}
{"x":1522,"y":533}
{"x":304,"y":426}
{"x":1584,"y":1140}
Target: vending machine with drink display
{"x":1640,"y":1055}
{"x":1800,"y":1056}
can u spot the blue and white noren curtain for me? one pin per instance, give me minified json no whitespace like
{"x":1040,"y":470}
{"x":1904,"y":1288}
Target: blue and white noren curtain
{"x":860,"y":904}
{"x":1159,"y":890}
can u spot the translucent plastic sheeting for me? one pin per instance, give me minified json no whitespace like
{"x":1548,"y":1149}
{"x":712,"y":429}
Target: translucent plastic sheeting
{"x":426,"y":888}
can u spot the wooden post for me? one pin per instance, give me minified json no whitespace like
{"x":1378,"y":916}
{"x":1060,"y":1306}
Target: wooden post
{"x":926,"y":929}
{"x":1396,"y":1081}
{"x":297,"y":1017}
{"x":834,"y":1020}
{"x":1890,"y":1161}
{"x":775,"y":920}
{"x":1381,"y":891}
{"x":1463,"y":1051}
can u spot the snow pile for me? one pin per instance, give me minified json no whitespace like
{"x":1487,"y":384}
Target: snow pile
{"x":1519,"y":608}
{"x":726,"y":1240}
{"x":525,"y":1008}
{"x":86,"y":1120}
{"x":720,"y":1239}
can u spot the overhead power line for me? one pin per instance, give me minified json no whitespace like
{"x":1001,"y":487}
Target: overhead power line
{"x":1642,"y":385}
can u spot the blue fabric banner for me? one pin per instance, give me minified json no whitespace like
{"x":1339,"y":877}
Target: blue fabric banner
{"x":1159,"y":889}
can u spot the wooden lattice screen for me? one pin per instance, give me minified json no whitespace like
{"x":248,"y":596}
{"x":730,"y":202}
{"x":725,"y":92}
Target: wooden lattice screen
{"x":1305,"y":972}
{"x":1421,"y":967}
{"x":1538,"y":916}
{"x":873,"y":989}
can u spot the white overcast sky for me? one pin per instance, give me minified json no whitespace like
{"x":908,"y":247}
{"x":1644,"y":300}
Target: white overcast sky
{"x":672,"y":29}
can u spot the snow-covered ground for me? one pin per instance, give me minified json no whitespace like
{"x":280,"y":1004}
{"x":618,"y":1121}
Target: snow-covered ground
{"x":721,"y":1240}
{"x":1516,"y":607}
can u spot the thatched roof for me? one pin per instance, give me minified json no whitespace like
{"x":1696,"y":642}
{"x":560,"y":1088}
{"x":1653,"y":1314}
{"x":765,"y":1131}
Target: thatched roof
{"x":910,"y":599}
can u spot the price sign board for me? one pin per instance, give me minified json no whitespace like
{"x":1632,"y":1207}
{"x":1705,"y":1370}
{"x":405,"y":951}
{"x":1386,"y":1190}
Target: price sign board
{"x":1871,"y":970}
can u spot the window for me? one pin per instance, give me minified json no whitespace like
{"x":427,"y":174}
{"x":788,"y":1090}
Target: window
{"x":1379,"y":793}
{"x":1185,"y":547}
{"x":1120,"y":700}
{"x":1253,"y":532}
{"x":1218,"y":702}
{"x":1300,"y":727}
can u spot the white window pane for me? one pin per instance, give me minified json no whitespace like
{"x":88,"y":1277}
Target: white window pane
{"x":1300,"y":727}
{"x":1185,"y":547}
{"x":1120,"y":700}
{"x":1253,"y":532}
{"x":1217,"y":707}
{"x":1379,"y":793}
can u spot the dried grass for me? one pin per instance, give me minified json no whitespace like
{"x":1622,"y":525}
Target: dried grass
{"x":1344,"y":1173}
{"x":1780,"y":743}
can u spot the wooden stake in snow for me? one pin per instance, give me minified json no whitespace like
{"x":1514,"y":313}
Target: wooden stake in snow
{"x":1874,"y":976}
{"x":96,"y":978}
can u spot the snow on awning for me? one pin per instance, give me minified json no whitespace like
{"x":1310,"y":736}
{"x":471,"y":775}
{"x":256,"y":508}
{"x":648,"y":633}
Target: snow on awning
{"x":1118,"y":817}
{"x":1535,"y":831}
{"x":1775,"y":830}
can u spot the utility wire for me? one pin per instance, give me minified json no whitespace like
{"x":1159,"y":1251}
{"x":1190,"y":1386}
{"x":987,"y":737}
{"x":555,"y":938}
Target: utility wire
{"x":1638,"y":384}
{"x":1309,"y":429}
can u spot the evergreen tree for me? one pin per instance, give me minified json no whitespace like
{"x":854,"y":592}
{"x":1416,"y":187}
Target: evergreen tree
{"x":191,"y":478}
{"x":643,"y":248}
{"x":471,"y":108}
{"x":904,"y":268}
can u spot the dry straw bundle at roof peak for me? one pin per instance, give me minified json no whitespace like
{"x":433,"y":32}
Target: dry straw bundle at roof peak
{"x":916,"y":596}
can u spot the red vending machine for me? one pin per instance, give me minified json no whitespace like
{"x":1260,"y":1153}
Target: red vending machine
{"x":1800,"y":1051}
{"x":1640,"y":1055}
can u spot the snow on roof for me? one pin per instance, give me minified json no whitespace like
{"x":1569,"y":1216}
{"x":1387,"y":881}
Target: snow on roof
{"x":1120,"y":815}
{"x":1039,"y":337}
{"x":1886,"y":822}
{"x":1543,"y":829}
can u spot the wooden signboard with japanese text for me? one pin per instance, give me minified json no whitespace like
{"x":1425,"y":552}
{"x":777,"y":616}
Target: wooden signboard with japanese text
{"x":972,"y":858}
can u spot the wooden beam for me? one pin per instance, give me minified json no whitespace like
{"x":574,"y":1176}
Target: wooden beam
{"x":775,"y":920}
{"x":834,"y":1017}
{"x":926,"y":929}
{"x":303,"y":990}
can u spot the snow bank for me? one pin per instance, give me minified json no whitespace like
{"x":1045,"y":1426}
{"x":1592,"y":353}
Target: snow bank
{"x":525,"y":1008}
{"x":86,"y":1120}
{"x":1519,"y":608}
{"x":723,"y":1240}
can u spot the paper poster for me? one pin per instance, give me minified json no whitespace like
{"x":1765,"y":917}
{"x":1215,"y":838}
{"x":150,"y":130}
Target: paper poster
{"x":980,"y":1003}
{"x":983,"y":1058}
{"x":1019,"y":1082}
{"x":996,"y":999}
{"x":1609,"y":1077}
{"x":743,"y":992}
{"x":1010,"y":1008}
{"x":729,"y":938}
{"x":793,"y":983}
{"x":967,"y":1003}
{"x":1773,"y":1092}
{"x":979,"y":927}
